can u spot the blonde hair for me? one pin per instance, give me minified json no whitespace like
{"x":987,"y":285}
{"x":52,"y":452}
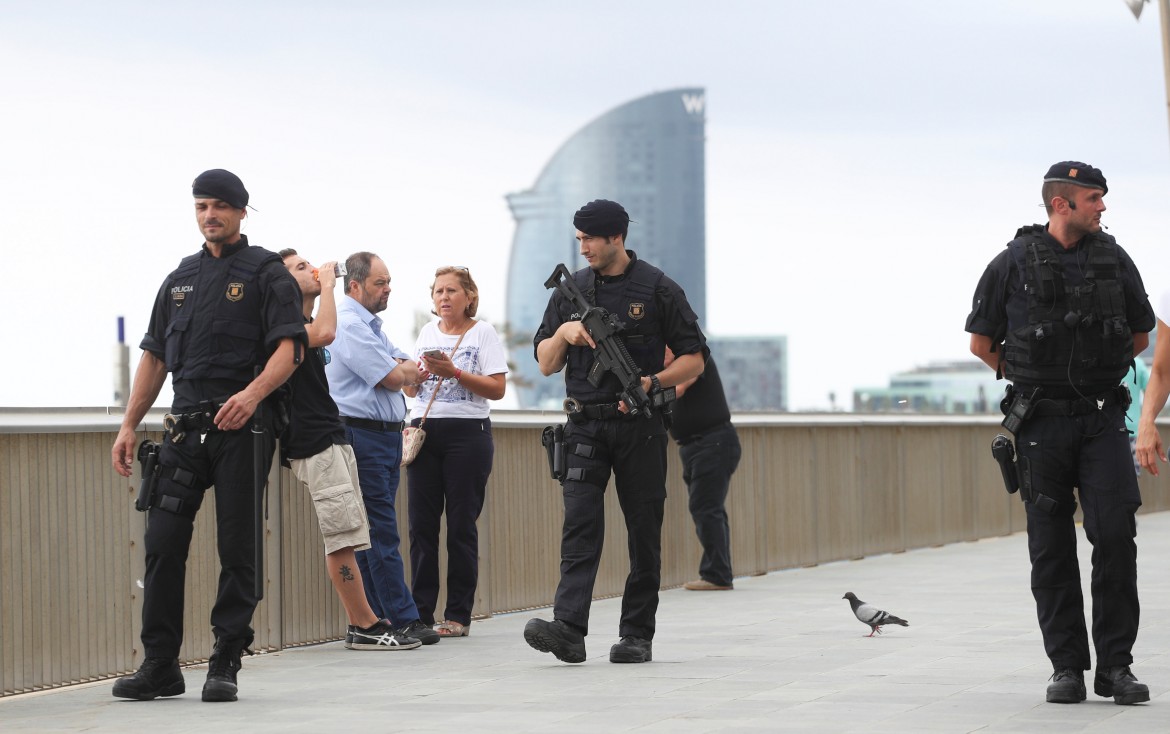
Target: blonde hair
{"x":463,"y":275}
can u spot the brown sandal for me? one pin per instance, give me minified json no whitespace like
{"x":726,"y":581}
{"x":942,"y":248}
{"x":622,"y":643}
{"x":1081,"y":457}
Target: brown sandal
{"x":447,"y":628}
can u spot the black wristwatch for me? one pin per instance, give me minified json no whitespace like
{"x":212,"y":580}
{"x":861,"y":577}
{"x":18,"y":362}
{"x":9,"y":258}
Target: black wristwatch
{"x":655,"y":385}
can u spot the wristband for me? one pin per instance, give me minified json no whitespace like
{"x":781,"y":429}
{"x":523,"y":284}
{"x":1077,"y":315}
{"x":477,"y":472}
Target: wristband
{"x":458,"y":374}
{"x":655,"y":385}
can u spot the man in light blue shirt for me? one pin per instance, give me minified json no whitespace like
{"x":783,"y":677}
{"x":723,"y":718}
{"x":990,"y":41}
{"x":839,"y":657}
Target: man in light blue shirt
{"x":366,"y":373}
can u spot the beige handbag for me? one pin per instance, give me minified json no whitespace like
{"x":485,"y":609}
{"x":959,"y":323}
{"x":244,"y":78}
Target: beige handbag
{"x":413,"y":436}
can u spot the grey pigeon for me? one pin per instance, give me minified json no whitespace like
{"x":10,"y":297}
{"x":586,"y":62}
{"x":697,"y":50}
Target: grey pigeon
{"x":871,"y":615}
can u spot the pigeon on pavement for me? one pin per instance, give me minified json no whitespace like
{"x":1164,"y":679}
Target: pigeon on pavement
{"x":871,"y":615}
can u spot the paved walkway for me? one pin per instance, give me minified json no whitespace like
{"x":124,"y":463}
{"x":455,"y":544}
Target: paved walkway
{"x":780,"y":653}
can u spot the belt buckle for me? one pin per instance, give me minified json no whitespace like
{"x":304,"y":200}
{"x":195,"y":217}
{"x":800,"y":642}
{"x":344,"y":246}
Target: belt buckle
{"x":572,"y":406}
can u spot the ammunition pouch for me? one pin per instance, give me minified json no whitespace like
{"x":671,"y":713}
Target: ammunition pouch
{"x":597,"y":476}
{"x":174,"y":500}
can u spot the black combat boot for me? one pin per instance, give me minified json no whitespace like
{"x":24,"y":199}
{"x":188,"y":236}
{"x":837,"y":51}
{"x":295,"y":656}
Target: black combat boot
{"x":631,"y":650}
{"x":1120,"y":683}
{"x":1067,"y":686}
{"x":566,"y":643}
{"x":156,"y":677}
{"x":222,"y":669}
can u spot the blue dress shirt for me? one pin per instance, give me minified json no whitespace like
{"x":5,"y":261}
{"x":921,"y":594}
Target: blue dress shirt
{"x":361,"y":356}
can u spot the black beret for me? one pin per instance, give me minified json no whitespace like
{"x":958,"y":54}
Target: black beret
{"x":1075,"y":172}
{"x":602,"y":218}
{"x":220,"y":184}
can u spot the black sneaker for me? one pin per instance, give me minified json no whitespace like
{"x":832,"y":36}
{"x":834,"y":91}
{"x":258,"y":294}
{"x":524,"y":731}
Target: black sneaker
{"x":631,"y":650}
{"x":380,"y":636}
{"x":566,"y":643}
{"x":155,"y":677}
{"x":1067,"y":686}
{"x":349,"y":636}
{"x":1120,"y":683}
{"x":420,"y":632}
{"x":222,"y":669}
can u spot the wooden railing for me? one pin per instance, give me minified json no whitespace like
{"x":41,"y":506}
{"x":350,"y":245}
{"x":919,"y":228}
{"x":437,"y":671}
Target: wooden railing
{"x":810,"y":489}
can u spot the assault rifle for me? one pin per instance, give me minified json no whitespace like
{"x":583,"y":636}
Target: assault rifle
{"x":610,"y":355}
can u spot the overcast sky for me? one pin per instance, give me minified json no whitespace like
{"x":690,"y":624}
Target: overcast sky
{"x":865,"y":160}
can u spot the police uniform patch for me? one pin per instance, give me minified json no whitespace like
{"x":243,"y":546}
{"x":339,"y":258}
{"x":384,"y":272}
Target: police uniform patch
{"x":235,"y":291}
{"x":179,"y":294}
{"x":637,"y":310}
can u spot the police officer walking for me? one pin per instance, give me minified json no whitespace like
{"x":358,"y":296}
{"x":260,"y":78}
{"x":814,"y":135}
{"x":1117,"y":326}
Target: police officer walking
{"x":602,"y":436}
{"x":225,"y":311}
{"x":1061,"y":314}
{"x":710,"y":451}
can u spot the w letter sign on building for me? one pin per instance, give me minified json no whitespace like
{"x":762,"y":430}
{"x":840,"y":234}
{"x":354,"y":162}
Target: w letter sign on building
{"x":694,"y":103}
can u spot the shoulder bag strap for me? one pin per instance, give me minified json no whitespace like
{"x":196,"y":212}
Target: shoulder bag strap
{"x":435,"y":394}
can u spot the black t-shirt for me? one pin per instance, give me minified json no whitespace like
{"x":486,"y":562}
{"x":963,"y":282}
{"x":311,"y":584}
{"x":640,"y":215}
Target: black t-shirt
{"x":313,"y":418}
{"x":702,"y":407}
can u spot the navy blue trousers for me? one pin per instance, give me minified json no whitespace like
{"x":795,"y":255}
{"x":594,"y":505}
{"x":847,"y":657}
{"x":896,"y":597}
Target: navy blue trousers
{"x":449,"y":474}
{"x":708,"y":463}
{"x":1090,"y":453}
{"x":378,"y":455}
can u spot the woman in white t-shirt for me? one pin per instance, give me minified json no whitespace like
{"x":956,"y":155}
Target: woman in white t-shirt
{"x":451,"y":471}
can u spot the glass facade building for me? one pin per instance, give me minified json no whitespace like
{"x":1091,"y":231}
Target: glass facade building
{"x":648,"y":155}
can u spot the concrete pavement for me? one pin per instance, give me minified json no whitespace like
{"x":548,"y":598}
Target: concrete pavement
{"x":781,"y":652}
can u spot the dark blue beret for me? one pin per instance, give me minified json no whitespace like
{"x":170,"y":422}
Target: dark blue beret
{"x":1075,"y":172}
{"x":602,"y":218}
{"x":220,"y":184}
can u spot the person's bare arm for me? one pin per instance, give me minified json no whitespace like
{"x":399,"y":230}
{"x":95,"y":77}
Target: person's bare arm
{"x":981,"y":347}
{"x":148,"y":381}
{"x":553,"y":351}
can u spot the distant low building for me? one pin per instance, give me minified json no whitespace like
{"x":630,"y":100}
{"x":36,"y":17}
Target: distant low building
{"x":967,"y":386}
{"x":754,"y":371}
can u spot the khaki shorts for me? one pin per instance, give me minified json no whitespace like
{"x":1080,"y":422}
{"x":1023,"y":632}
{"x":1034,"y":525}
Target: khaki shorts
{"x":332,"y":480}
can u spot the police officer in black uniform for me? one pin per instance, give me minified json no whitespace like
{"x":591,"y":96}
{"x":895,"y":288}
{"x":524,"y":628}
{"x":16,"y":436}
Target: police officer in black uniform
{"x":1061,"y":313}
{"x":225,"y":311}
{"x":602,"y":436}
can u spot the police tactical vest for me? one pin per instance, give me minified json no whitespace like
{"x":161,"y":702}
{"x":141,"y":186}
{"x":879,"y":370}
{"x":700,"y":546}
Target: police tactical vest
{"x":1076,"y":329}
{"x":215,"y":329}
{"x":631,"y":300}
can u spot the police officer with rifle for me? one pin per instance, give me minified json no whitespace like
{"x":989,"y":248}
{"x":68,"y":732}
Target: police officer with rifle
{"x":1061,"y":313}
{"x":224,"y":312}
{"x":608,"y":326}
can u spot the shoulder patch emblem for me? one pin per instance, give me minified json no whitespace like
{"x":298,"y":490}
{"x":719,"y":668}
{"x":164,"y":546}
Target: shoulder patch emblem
{"x":637,"y":310}
{"x":235,"y":291}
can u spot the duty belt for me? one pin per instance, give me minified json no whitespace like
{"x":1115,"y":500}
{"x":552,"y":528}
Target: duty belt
{"x":578,"y":411}
{"x":202,"y":420}
{"x":1082,"y":406}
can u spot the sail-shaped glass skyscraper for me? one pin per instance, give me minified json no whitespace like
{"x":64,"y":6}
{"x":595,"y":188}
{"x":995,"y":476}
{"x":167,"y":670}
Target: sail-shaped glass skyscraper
{"x":648,"y":155}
